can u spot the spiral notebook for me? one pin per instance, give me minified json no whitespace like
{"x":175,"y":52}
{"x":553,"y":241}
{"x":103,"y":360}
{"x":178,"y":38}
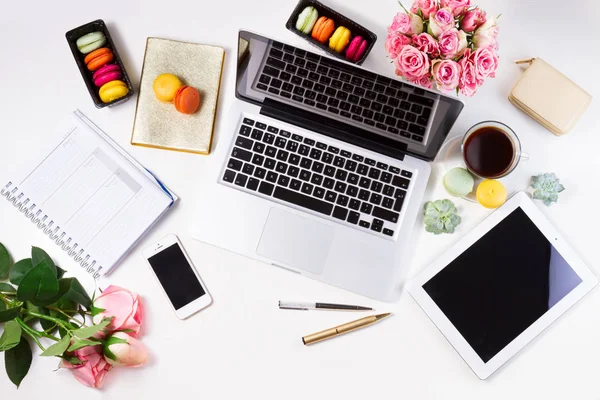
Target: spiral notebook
{"x":89,"y":196}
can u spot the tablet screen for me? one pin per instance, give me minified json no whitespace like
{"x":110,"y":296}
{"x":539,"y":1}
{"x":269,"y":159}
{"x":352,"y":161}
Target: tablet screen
{"x":502,"y":284}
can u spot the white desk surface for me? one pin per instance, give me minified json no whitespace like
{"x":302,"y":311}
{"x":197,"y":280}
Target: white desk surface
{"x":243,"y":346}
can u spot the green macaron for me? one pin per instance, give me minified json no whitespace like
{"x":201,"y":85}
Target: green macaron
{"x":458,"y":182}
{"x":307,"y":19}
{"x":90,"y":42}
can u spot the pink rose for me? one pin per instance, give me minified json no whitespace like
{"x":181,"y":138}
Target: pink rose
{"x":411,"y":63}
{"x":446,"y":74}
{"x":395,"y":42}
{"x":473,"y":19}
{"x":441,"y":21}
{"x":92,"y":370}
{"x":408,"y":24}
{"x":487,"y":35}
{"x":468,"y":82}
{"x":122,"y":349}
{"x":457,"y":6}
{"x":452,"y":43}
{"x":427,"y":44}
{"x":486,"y":62}
{"x":424,"y":81}
{"x":124,"y":306}
{"x":427,"y":7}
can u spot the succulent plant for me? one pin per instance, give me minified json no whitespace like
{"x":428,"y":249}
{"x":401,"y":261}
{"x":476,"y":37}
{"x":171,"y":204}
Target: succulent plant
{"x":546,"y":188}
{"x":441,"y":217}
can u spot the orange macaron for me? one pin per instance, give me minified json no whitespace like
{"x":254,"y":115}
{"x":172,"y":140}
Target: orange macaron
{"x":187,"y":100}
{"x":323,"y":29}
{"x":98,"y":58}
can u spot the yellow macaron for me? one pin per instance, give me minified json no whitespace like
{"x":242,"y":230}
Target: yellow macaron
{"x":112,"y":91}
{"x":491,"y":193}
{"x":340,"y":39}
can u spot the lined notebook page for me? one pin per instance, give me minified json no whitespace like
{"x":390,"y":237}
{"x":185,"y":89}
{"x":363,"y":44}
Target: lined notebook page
{"x":95,"y":195}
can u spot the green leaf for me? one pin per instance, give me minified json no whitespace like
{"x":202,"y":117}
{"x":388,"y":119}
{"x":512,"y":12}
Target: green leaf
{"x":46,"y":325}
{"x":11,"y":335}
{"x":58,"y":348}
{"x":17,"y":361}
{"x":39,"y":284}
{"x":73,"y":360}
{"x":60,"y":272}
{"x":38,"y":255}
{"x":76,"y":293}
{"x":2,"y":306}
{"x":19,"y":270}
{"x":80,"y":343}
{"x":4,"y":261}
{"x":10,"y":314}
{"x":96,"y":310}
{"x":6,"y":288}
{"x":90,"y":331}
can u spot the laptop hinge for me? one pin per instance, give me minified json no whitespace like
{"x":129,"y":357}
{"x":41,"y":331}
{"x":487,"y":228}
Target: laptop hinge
{"x":332,"y":128}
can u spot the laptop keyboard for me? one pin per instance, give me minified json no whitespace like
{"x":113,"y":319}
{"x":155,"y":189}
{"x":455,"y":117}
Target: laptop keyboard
{"x":362,"y":98}
{"x":327,"y":180}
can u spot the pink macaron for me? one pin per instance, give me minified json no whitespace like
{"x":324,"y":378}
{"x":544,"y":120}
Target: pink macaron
{"x":356,"y":49}
{"x":108,"y":73}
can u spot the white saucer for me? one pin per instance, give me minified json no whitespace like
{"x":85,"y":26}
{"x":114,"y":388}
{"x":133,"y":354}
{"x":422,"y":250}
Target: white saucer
{"x":450,"y":156}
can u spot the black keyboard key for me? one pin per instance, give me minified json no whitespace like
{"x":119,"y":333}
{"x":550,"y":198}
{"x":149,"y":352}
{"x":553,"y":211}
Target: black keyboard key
{"x":294,"y":159}
{"x":400,"y":182}
{"x":340,"y":213}
{"x":266,"y":188}
{"x":364,"y":224}
{"x":339,"y":161}
{"x":304,"y":150}
{"x":281,"y":167}
{"x":371,"y":95}
{"x":256,"y":134}
{"x":280,"y":142}
{"x":417,"y":138}
{"x":387,"y":202}
{"x":304,"y":175}
{"x":298,"y":98}
{"x":379,"y":117}
{"x":330,"y":196}
{"x":271,"y":151}
{"x":307,"y":188}
{"x":342,"y":200}
{"x":388,"y":232}
{"x":386,"y":215}
{"x":364,"y":195}
{"x":264,"y":79}
{"x":390,"y":91}
{"x":410,"y":117}
{"x":311,"y":66}
{"x":296,"y":80}
{"x":422,"y":121}
{"x":382,"y":98}
{"x":319,"y":88}
{"x":292,"y":146}
{"x":342,"y":95}
{"x":241,"y":154}
{"x":364,"y":183}
{"x":334,"y":73}
{"x":354,"y":99}
{"x":393,"y":102}
{"x":229,"y":176}
{"x":317,"y":167}
{"x":329,"y":171}
{"x":353,"y":217}
{"x":235,"y":164}
{"x":288,"y":58}
{"x":396,"y":84}
{"x":284,"y":76}
{"x":374,"y":173}
{"x":299,"y":91}
{"x":346,"y":87}
{"x":270,"y":163}
{"x":328,"y":183}
{"x":426,"y":112}
{"x":362,"y":169}
{"x":405,"y":105}
{"x":376,"y":228}
{"x":398,"y":204}
{"x":333,"y":102}
{"x":300,"y":62}
{"x":421,"y":100}
{"x":315,"y":154}
{"x":345,"y":77}
{"x":387,"y":110}
{"x":305,"y":163}
{"x":364,"y":103}
{"x":353,"y":179}
{"x":379,"y":88}
{"x":402,"y":125}
{"x":262,"y":86}
{"x":336,"y":84}
{"x":310,"y":95}
{"x":293,"y":171}
{"x":391,"y":121}
{"x":288,"y":87}
{"x":307,"y":84}
{"x":248,"y":121}
{"x":358,"y":158}
{"x":319,"y":192}
{"x":352,"y":191}
{"x":295,"y":184}
{"x":416,"y":129}
{"x":376,"y":186}
{"x":354,"y":204}
{"x":406,"y":174}
{"x":248,"y":169}
{"x":356,"y":80}
{"x":275,"y":62}
{"x":323,"y":69}
{"x":257,"y":159}
{"x":351,"y":165}
{"x":272,"y":176}
{"x":303,"y":201}
{"x":356,"y":110}
{"x":366,"y":208}
{"x":375,"y":198}
{"x":382,"y":166}
{"x":288,"y":48}
{"x":322,"y":106}
{"x":245,"y":130}
{"x":327,"y":158}
{"x":317,"y":179}
{"x":241,"y":180}
{"x":244,"y":142}
{"x":283,"y":180}
{"x":388,"y":190}
{"x":394,"y":170}
{"x":252,"y":184}
{"x":381,"y":126}
{"x":330,"y":91}
{"x":417,"y":109}
{"x":274,"y":72}
{"x":340,"y":187}
{"x":272,"y":129}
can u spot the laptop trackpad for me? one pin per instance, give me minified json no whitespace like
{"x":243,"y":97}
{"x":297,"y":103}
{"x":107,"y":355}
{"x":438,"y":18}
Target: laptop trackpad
{"x":299,"y":242}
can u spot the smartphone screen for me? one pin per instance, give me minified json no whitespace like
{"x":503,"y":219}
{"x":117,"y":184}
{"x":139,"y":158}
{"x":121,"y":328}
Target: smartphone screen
{"x":176,"y":276}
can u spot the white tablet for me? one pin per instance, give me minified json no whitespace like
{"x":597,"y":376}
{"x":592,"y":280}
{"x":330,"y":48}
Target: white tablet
{"x":502,"y":285}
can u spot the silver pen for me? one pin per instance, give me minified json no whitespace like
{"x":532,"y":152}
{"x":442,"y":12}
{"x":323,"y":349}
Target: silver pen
{"x":294,"y":305}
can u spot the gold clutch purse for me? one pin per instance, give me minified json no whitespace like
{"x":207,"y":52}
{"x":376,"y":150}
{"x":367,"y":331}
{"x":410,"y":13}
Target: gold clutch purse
{"x":549,"y":97}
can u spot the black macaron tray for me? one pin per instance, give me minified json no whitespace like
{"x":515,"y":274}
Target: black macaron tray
{"x":340,"y":20}
{"x":97,"y":26}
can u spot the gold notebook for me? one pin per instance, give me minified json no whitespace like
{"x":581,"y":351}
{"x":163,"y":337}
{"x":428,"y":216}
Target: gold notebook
{"x":159,"y":124}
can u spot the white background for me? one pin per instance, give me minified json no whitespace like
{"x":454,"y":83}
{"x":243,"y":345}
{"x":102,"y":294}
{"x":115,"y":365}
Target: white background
{"x":243,"y":346}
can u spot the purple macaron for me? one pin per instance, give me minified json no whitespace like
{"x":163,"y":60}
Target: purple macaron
{"x":108,"y":73}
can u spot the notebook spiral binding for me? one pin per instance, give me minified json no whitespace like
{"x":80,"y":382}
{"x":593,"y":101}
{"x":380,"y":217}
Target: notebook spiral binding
{"x":45,"y":223}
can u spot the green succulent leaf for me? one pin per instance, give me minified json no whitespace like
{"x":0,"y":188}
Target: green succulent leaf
{"x":38,"y":255}
{"x":4,"y":261}
{"x":11,"y":335}
{"x":19,"y":270}
{"x":58,"y":348}
{"x":440,"y":216}
{"x":546,"y":188}
{"x":39,"y":284}
{"x":17,"y":361}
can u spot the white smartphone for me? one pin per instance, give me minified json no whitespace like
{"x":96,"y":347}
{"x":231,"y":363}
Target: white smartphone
{"x":177,"y":276}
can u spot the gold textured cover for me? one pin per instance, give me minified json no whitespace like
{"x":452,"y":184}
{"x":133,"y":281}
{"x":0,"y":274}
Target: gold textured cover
{"x":549,"y":97}
{"x":159,"y":124}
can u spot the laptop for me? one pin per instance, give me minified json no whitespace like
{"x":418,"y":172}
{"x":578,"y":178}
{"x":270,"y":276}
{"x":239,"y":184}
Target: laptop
{"x":323,"y":168}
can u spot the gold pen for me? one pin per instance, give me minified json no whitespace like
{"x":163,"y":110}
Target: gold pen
{"x":340,"y":330}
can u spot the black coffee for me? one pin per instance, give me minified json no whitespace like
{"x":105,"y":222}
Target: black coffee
{"x":489,"y":152}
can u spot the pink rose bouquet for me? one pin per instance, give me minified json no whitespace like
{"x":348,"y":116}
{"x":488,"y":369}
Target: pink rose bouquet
{"x":448,"y":44}
{"x":41,"y":307}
